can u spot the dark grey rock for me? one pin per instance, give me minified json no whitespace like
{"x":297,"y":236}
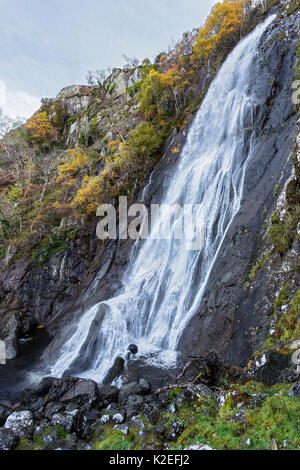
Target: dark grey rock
{"x":295,"y":390}
{"x":53,"y":408}
{"x":133,"y":349}
{"x":75,"y":390}
{"x":176,"y":429}
{"x":115,"y":371}
{"x":160,"y":430}
{"x":4,"y":413}
{"x":108,"y":394}
{"x":8,"y":439}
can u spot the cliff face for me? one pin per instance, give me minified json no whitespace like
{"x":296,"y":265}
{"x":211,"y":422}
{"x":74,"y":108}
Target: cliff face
{"x":236,"y":311}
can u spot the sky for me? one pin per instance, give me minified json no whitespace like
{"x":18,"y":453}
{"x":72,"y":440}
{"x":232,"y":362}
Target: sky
{"x":49,"y":44}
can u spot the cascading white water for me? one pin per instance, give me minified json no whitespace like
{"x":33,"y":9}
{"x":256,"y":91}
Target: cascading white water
{"x":165,"y":283}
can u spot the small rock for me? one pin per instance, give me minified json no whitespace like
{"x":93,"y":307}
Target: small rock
{"x":286,"y":444}
{"x":42,"y":427}
{"x":21,"y":423}
{"x":295,"y":390}
{"x":246,"y":442}
{"x":8,"y":439}
{"x":241,"y":406}
{"x":105,"y":419}
{"x":118,"y":418}
{"x":199,"y":447}
{"x":197,"y":391}
{"x":122,"y":428}
{"x":239,"y":417}
{"x":65,"y":420}
{"x":172,"y":409}
{"x":160,"y":430}
{"x":273,"y":445}
{"x":176,"y":429}
{"x":137,"y":423}
{"x":133,"y":349}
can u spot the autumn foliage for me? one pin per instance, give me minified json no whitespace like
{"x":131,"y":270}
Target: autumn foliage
{"x":40,"y":130}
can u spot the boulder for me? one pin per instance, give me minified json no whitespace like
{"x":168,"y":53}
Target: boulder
{"x":133,"y":349}
{"x":21,"y":423}
{"x":74,"y":390}
{"x":115,"y":371}
{"x":8,"y":439}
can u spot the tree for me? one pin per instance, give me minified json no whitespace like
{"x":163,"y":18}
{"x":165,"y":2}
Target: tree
{"x":151,"y":93}
{"x":220,"y":29}
{"x":96,"y":78}
{"x":130,"y":62}
{"x":7,"y":123}
{"x":40,"y":130}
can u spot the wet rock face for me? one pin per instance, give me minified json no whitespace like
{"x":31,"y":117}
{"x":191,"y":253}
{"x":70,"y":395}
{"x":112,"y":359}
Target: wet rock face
{"x":232,"y":319}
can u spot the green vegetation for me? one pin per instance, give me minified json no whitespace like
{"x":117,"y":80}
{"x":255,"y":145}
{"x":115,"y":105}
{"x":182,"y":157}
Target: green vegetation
{"x":269,"y":415}
{"x":287,"y":326}
{"x":293,"y":7}
{"x":260,"y":264}
{"x":282,"y":231}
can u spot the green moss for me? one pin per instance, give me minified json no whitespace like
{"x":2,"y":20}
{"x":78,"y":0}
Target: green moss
{"x":116,"y":440}
{"x":48,"y":247}
{"x":277,"y":417}
{"x":276,"y":190}
{"x":282,"y":232}
{"x":260,"y":264}
{"x":293,"y":7}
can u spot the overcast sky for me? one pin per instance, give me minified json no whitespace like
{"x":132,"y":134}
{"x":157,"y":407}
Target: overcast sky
{"x":49,"y":44}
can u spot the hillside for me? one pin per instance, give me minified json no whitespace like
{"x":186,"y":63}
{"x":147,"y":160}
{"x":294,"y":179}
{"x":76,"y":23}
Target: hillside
{"x":236,"y":385}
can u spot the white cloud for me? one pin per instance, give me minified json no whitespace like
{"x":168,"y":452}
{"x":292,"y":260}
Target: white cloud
{"x":17,"y":103}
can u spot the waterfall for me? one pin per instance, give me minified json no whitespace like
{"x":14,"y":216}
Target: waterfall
{"x":164,"y":284}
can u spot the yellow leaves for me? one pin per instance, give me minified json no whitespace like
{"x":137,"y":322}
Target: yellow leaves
{"x":40,"y":129}
{"x":113,"y":146}
{"x":75,"y":162}
{"x":225,"y":20}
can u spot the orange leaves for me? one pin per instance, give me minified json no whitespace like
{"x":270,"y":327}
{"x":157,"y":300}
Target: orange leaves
{"x":40,"y":129}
